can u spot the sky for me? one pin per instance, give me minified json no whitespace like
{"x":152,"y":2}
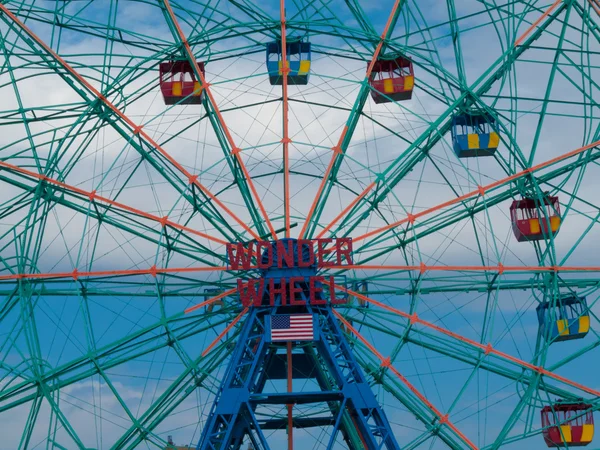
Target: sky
{"x":47,"y":324}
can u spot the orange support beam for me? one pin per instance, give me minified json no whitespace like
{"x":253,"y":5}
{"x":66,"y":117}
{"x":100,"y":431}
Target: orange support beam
{"x":210,"y":301}
{"x":76,"y":275}
{"x":286,"y":137}
{"x":479,"y":191}
{"x":235,"y":150}
{"x":285,"y":70}
{"x":290,"y":406}
{"x":486,"y":349}
{"x":318,"y":195}
{"x":136,"y":130}
{"x":346,"y":209}
{"x":500,"y":268}
{"x":421,"y":268}
{"x":386,"y":363}
{"x":224,"y":332}
{"x":98,"y":198}
{"x":536,"y":23}
{"x":596,"y":5}
{"x":337,"y":150}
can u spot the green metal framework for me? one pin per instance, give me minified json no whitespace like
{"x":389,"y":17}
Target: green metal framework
{"x":115,"y":209}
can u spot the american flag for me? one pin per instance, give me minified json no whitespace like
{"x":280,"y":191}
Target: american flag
{"x":292,"y":327}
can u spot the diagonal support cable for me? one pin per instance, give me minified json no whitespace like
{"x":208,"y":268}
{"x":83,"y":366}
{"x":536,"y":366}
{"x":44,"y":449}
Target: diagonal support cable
{"x":76,"y":274}
{"x":386,"y":363}
{"x":486,"y":349}
{"x":419,"y":149}
{"x":546,"y":13}
{"x":235,"y":150}
{"x":93,"y":197}
{"x":136,"y":130}
{"x":480,"y":191}
{"x":348,"y":130}
{"x":285,"y":70}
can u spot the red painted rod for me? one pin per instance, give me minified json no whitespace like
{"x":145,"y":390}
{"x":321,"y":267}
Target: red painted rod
{"x":285,"y":70}
{"x":500,"y":268}
{"x":224,"y":332}
{"x":385,"y":362}
{"x":135,"y":128}
{"x":536,"y":23}
{"x":76,"y":274}
{"x":234,"y":149}
{"x":337,"y":150}
{"x":98,"y":198}
{"x":487,"y":349}
{"x":480,"y":191}
{"x":422,"y":268}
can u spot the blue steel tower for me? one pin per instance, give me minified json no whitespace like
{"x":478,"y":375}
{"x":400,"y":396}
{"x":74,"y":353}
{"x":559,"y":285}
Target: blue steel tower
{"x":341,"y":393}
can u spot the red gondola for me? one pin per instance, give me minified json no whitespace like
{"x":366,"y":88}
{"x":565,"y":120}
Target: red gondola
{"x":392,"y":79}
{"x":178,"y":83}
{"x":569,"y":424}
{"x":532,"y":223}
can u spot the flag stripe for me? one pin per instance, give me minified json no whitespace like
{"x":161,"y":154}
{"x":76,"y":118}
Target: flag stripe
{"x":292,"y":327}
{"x":288,"y":333}
{"x":295,"y":338}
{"x":304,"y":333}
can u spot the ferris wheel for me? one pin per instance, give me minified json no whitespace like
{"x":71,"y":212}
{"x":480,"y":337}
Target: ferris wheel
{"x":310,"y":224}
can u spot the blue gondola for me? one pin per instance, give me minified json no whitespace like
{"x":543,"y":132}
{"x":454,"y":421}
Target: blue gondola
{"x":298,"y":57}
{"x":473,"y":134}
{"x":568,"y":319}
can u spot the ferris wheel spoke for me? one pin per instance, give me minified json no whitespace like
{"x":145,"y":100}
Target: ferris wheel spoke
{"x":413,"y":404}
{"x":118,"y":215}
{"x":515,"y":416}
{"x":486,"y":350}
{"x":254,"y":11}
{"x":120,"y":316}
{"x":217,"y":122}
{"x":546,"y":13}
{"x":84,"y":25}
{"x":359,"y":14}
{"x":495,"y":271}
{"x":76,"y":274}
{"x":92,"y":196}
{"x":455,"y":31}
{"x":136,"y":344}
{"x":10,"y":69}
{"x":324,"y":11}
{"x":233,"y":148}
{"x":347,"y":132}
{"x":176,"y":393}
{"x":188,"y":248}
{"x":534,"y":383}
{"x":56,"y":410}
{"x":453,"y":350}
{"x":419,"y":149}
{"x":549,"y":87}
{"x":484,"y":190}
{"x":184,"y":289}
{"x":443,"y":419}
{"x":285,"y":119}
{"x":131,"y":130}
